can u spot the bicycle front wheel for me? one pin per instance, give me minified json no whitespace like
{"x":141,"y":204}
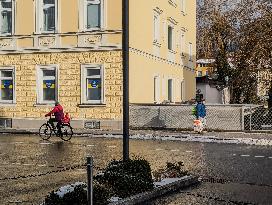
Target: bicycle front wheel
{"x":45,"y":131}
{"x":66,"y":132}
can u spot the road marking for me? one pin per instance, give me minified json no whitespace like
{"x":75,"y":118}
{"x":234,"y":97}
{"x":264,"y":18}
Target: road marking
{"x":174,"y":150}
{"x":159,"y":149}
{"x":28,"y":164}
{"x":233,"y":154}
{"x":269,"y":157}
{"x":41,"y":165}
{"x":112,"y":146}
{"x":90,"y":145}
{"x":259,"y":156}
{"x":188,"y":151}
{"x":245,"y":155}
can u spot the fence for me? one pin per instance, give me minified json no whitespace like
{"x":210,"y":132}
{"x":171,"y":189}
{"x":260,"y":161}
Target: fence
{"x":219,"y":117}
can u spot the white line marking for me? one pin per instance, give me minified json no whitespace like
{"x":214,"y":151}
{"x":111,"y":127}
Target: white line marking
{"x":174,"y":150}
{"x":233,"y":154}
{"x":159,"y":149}
{"x":188,"y":151}
{"x":28,"y":164}
{"x":41,"y":165}
{"x":112,"y":146}
{"x":90,"y":145}
{"x":269,"y":157}
{"x":259,"y":156}
{"x":245,"y":155}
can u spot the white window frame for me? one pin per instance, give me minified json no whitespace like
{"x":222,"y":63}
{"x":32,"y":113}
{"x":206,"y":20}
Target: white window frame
{"x":157,"y":89}
{"x":182,"y":90}
{"x":156,"y":27}
{"x":183,"y":6}
{"x":12,"y":16}
{"x":84,"y":68}
{"x":10,"y":68}
{"x":40,"y":79}
{"x":83,"y":18}
{"x":182,"y":43}
{"x":39,"y":17}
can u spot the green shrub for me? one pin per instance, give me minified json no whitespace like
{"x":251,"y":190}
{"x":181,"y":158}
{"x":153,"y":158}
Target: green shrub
{"x":127,"y":178}
{"x":79,"y":196}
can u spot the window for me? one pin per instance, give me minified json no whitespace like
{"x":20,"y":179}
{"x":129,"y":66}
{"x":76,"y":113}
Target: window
{"x":170,"y":37}
{"x":7,"y":85}
{"x":199,"y":73}
{"x":182,"y":40}
{"x":170,"y":90}
{"x":190,"y":51}
{"x":47,"y":16}
{"x":47,"y":84}
{"x":92,"y":90}
{"x":93,"y":12}
{"x":6,"y":19}
{"x":156,"y":22}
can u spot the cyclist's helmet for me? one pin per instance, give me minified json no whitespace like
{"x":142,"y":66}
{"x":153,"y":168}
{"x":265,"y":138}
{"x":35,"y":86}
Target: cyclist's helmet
{"x":56,"y":103}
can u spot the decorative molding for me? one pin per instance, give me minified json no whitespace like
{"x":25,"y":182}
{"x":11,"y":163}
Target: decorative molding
{"x":89,"y":40}
{"x":7,"y":43}
{"x":173,"y":3}
{"x":172,"y":20}
{"x":158,"y":10}
{"x":160,"y":59}
{"x":47,"y":41}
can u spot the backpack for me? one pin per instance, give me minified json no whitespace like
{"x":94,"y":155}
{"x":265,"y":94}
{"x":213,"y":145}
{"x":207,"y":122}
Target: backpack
{"x":194,"y":111}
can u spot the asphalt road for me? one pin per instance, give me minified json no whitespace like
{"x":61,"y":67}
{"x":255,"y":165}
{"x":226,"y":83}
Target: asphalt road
{"x":232,"y":174}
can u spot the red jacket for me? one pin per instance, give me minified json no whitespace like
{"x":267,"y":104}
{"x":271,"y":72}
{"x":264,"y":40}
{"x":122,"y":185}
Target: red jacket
{"x":58,"y":112}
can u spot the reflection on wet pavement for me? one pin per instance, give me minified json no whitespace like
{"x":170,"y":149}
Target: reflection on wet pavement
{"x":42,"y":166}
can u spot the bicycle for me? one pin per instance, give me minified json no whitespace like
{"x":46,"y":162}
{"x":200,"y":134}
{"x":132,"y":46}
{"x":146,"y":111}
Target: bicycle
{"x":66,"y":131}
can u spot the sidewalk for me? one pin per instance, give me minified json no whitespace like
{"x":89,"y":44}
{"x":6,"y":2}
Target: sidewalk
{"x":153,"y":133}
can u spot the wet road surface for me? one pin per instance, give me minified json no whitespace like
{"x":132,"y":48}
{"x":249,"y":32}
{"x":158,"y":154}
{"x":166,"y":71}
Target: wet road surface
{"x":232,"y":174}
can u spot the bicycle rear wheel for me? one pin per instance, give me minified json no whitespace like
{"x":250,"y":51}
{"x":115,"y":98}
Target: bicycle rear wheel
{"x":66,"y":132}
{"x":45,"y":131}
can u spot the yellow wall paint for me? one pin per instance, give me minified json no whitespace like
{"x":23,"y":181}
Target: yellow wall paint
{"x":68,"y":15}
{"x":24,"y":17}
{"x":25,"y":43}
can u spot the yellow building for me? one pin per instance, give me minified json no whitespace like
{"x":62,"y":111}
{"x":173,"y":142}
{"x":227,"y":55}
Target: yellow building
{"x":162,"y":50}
{"x":70,"y":51}
{"x":204,"y":67}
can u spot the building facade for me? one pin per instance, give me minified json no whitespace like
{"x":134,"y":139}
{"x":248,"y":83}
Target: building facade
{"x":162,"y":51}
{"x":70,"y":51}
{"x":204,"y":67}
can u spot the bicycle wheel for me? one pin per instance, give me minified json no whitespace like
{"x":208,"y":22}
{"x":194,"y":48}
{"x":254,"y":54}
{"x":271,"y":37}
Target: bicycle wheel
{"x":45,"y":131}
{"x":66,"y":132}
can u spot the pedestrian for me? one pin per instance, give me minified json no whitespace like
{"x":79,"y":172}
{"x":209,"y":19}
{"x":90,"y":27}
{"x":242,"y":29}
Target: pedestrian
{"x":59,"y":115}
{"x":201,"y":111}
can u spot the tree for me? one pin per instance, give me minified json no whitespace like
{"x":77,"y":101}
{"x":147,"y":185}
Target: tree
{"x":236,"y":33}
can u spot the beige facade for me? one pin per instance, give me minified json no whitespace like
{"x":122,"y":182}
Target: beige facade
{"x":52,"y":50}
{"x":162,"y":51}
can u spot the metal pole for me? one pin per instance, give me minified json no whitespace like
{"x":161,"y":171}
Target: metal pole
{"x":90,"y":180}
{"x":125,"y":47}
{"x":250,"y":119}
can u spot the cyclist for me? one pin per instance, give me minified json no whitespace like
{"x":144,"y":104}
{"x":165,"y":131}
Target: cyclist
{"x":59,"y":115}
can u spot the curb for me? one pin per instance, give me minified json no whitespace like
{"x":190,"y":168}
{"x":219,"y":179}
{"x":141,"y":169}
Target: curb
{"x":158,"y":192}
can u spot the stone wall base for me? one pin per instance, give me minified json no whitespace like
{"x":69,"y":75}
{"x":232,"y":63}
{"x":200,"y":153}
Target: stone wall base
{"x":31,"y":123}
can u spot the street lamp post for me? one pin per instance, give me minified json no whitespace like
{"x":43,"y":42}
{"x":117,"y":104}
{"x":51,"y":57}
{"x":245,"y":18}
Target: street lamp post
{"x":125,"y":49}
